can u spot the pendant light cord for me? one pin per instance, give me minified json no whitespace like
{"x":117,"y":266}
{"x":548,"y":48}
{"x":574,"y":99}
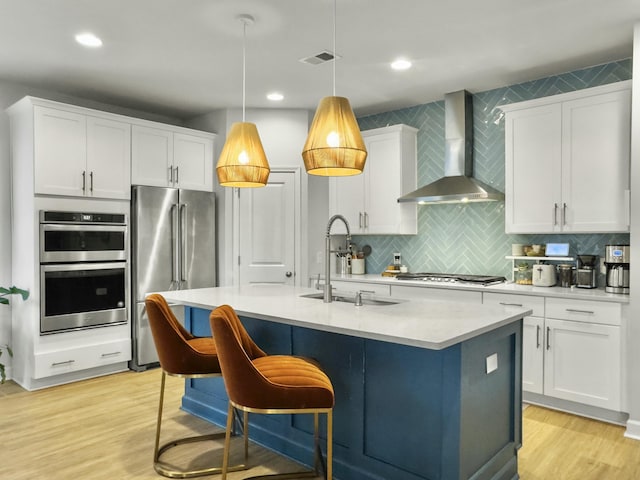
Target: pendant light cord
{"x":334,"y":47}
{"x":244,"y":66}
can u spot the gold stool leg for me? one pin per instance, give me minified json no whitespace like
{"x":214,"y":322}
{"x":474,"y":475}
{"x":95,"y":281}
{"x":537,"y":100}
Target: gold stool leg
{"x":328,"y":469}
{"x":167,"y":471}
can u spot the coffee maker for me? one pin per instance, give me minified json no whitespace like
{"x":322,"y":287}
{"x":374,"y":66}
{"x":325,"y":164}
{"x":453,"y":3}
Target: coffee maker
{"x":616,"y":259}
{"x":587,"y":273}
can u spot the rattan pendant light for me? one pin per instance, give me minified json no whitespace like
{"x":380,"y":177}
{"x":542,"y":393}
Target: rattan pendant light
{"x":334,"y":146}
{"x":242,"y":162}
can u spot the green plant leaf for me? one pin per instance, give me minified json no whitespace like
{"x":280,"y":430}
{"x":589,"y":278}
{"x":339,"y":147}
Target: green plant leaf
{"x":12,"y":291}
{"x":3,"y":376}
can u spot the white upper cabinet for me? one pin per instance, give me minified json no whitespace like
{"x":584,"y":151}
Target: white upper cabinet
{"x":152,"y":156}
{"x":172,"y":157}
{"x":370,"y":201}
{"x":567,"y":162}
{"x":80,"y":155}
{"x":108,"y":158}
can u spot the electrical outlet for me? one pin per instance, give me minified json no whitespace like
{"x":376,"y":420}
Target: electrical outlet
{"x":603,"y":268}
{"x":492,"y":363}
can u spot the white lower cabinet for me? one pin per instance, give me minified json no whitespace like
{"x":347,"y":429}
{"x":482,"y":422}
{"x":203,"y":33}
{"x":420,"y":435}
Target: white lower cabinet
{"x":583,"y":361}
{"x":533,"y":355}
{"x":571,"y":349}
{"x":70,"y":360}
{"x":532,"y":336}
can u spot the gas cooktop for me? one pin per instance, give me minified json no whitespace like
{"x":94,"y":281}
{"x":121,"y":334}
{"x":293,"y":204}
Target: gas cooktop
{"x":452,"y":278}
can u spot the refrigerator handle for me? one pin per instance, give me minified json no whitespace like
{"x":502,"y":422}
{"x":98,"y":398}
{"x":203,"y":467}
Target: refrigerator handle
{"x":174,"y":246}
{"x":183,"y":243}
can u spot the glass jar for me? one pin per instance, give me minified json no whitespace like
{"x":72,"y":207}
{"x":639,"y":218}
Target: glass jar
{"x":524,"y":275}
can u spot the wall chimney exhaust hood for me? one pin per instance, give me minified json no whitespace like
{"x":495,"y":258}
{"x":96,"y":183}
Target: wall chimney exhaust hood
{"x":458,"y":185}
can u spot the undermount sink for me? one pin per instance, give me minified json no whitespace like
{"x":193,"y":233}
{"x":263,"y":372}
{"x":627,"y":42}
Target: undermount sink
{"x":352,"y":299}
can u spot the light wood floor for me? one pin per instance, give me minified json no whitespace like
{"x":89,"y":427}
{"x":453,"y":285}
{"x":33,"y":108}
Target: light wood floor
{"x":104,"y":428}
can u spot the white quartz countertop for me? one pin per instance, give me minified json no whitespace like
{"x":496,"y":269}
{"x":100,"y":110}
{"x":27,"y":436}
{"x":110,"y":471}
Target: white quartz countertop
{"x":422,"y":323}
{"x":597,"y":294}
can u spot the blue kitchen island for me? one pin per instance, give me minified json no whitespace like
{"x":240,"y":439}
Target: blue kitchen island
{"x":425,"y":390}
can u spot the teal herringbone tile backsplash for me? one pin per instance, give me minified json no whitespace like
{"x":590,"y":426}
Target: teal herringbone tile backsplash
{"x":470,"y":238}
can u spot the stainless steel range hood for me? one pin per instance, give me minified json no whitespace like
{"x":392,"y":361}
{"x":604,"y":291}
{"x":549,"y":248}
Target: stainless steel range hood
{"x":458,"y":185}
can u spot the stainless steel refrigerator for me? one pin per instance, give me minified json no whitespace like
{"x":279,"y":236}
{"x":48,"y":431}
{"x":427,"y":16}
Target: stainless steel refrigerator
{"x":173,"y":247}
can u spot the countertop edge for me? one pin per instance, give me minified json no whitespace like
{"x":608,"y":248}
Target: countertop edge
{"x":594,"y":294}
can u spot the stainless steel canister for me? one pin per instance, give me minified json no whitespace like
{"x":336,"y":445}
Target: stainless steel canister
{"x":565,"y":275}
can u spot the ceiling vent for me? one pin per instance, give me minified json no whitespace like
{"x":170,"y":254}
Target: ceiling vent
{"x":319,"y":58}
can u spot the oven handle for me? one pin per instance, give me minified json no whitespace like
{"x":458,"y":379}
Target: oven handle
{"x":76,"y":266}
{"x":61,"y":227}
{"x":183,"y":243}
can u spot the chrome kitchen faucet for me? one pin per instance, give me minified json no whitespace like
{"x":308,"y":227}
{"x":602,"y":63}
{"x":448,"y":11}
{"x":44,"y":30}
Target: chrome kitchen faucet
{"x":327,"y":255}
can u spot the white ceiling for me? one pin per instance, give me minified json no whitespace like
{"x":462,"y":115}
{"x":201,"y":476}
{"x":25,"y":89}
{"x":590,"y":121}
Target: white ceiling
{"x":184,"y":57}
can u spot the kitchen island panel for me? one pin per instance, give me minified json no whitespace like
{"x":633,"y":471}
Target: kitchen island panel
{"x":401,"y":412}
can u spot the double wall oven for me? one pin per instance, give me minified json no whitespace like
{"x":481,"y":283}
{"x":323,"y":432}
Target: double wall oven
{"x":83,"y":270}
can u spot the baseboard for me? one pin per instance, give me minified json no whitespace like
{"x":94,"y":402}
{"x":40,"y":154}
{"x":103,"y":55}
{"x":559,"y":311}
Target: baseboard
{"x":633,"y":429}
{"x":597,"y":413}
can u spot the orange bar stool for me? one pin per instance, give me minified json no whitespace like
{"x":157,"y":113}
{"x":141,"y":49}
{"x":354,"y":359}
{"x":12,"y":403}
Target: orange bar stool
{"x":273,"y":384}
{"x":181,"y":355}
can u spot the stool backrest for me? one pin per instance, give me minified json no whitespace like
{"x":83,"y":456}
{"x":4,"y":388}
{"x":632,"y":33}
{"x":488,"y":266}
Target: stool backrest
{"x":171,"y":340}
{"x":245,"y":385}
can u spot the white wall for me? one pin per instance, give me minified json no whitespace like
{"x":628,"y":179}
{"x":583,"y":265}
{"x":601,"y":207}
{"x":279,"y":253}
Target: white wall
{"x":9,"y":94}
{"x":633,"y":337}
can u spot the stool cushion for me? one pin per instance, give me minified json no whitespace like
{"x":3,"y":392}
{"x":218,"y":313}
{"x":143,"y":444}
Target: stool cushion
{"x":268,"y":382}
{"x":295,"y":381}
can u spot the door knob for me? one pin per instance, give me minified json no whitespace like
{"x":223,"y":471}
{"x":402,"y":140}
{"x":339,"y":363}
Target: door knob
{"x":288,"y":274}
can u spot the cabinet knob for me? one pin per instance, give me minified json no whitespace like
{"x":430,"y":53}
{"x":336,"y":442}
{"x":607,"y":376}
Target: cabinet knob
{"x":288,"y":274}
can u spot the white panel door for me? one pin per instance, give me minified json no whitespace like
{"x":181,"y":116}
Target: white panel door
{"x":583,"y":363}
{"x":151,"y":156}
{"x":595,"y":163}
{"x":382,"y":208}
{"x":193,"y":162}
{"x":346,"y":197}
{"x":60,"y":152}
{"x":267,"y":231}
{"x":108,"y":158}
{"x":533,"y":148}
{"x":533,"y":354}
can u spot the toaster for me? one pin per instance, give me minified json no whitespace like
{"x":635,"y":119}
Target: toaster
{"x":544,"y":275}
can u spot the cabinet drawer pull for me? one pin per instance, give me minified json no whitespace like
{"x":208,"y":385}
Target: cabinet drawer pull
{"x":511,"y":304}
{"x":66,"y":362}
{"x":555,"y":214}
{"x":564,"y":214}
{"x":537,"y":336}
{"x":360,"y":219}
{"x":366,"y":220}
{"x":177,"y":175}
{"x":91,"y":182}
{"x":110,"y":354}
{"x":573,"y":310}
{"x":548,"y":338}
{"x":84,"y":181}
{"x":170,"y":174}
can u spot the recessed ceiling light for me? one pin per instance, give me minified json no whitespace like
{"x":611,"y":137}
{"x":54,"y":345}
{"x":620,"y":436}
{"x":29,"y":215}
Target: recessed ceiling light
{"x":275,"y":96}
{"x":88,"y":39}
{"x":401,"y":64}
